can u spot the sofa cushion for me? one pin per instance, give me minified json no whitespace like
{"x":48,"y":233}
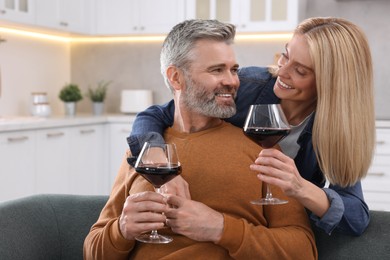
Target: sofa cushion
{"x":373,"y":244}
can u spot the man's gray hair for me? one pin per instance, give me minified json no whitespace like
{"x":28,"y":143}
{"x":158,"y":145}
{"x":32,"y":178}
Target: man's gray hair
{"x":178,"y":45}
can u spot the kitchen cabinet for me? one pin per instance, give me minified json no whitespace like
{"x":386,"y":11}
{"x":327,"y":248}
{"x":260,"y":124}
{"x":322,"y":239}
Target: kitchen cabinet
{"x":64,"y":156}
{"x":74,"y":16}
{"x":121,"y":17}
{"x":376,"y":184}
{"x":119,"y":131}
{"x":17,"y":164}
{"x":249,"y":15}
{"x":52,"y":155}
{"x":21,"y":11}
{"x":87,"y":167}
{"x":156,"y":16}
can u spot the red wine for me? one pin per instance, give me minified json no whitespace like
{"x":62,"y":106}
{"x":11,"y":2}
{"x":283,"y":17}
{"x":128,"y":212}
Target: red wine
{"x":266,"y":137}
{"x":158,"y":175}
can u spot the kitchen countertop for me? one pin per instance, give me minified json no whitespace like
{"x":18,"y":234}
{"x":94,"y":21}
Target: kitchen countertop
{"x":382,"y":123}
{"x":16,"y":123}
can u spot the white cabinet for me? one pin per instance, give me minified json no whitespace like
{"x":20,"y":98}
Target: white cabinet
{"x":267,"y":15}
{"x":17,"y":164}
{"x":52,"y":160}
{"x":17,"y":11}
{"x":65,"y":15}
{"x":138,"y":16}
{"x":87,"y":167}
{"x":156,"y":16}
{"x":249,"y":15}
{"x":71,"y":160}
{"x":114,"y":17}
{"x":77,"y":155}
{"x":118,"y":145}
{"x":376,"y":185}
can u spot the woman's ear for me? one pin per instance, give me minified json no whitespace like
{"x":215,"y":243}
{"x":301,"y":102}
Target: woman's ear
{"x":175,"y":77}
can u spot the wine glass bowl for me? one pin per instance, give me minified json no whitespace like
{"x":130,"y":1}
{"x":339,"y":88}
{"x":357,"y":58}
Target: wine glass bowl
{"x":158,"y":174}
{"x":158,"y":164}
{"x":266,"y":125}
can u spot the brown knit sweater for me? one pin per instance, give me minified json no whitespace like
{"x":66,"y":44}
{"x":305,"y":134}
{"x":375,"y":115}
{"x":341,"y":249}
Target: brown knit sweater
{"x":215,"y":163}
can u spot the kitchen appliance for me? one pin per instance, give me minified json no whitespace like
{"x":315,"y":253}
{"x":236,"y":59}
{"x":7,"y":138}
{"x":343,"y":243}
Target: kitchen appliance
{"x":135,"y":100}
{"x":41,"y":109}
{"x":39,"y":104}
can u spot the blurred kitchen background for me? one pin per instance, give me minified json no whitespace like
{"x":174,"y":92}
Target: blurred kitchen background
{"x":32,"y":64}
{"x":45,"y":44}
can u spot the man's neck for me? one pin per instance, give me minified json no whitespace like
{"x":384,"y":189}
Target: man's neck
{"x":190,"y":122}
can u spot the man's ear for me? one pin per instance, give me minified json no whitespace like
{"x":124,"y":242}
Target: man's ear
{"x":175,"y":77}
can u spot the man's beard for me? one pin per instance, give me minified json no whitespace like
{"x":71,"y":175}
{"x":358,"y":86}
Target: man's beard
{"x":198,"y":100}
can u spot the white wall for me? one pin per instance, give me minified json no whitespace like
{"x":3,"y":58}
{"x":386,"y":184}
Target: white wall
{"x":31,"y":65}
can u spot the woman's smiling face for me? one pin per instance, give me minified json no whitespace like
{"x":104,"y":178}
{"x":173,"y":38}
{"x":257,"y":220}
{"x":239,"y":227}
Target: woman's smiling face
{"x":296,"y":78}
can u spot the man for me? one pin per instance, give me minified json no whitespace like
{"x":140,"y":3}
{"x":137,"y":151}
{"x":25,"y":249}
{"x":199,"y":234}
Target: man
{"x":218,"y":222}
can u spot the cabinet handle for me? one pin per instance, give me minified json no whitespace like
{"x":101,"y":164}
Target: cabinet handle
{"x":3,"y":11}
{"x":57,"y":134}
{"x":380,"y":142}
{"x":87,"y":131}
{"x":17,"y":139}
{"x":379,"y":174}
{"x":127,"y":131}
{"x":64,"y":24}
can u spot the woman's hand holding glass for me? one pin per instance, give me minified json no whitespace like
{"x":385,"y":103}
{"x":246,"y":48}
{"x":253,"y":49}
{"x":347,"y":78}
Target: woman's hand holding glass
{"x":276,"y":168}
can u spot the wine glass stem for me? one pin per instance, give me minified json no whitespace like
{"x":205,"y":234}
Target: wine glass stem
{"x":154,"y":234}
{"x":269,"y":193}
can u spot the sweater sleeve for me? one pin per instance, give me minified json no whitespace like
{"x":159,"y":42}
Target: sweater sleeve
{"x":287,"y":229}
{"x":105,"y":241}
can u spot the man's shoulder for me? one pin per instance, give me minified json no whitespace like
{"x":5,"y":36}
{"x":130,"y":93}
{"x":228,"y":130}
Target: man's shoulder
{"x":235,"y":132}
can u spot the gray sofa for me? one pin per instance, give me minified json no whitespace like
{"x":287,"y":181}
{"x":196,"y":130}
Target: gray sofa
{"x":54,"y":227}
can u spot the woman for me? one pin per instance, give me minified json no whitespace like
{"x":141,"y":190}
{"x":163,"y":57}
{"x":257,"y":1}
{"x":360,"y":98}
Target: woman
{"x":325,"y":87}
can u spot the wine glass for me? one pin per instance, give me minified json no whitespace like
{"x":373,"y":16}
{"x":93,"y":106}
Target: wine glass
{"x":157,"y":163}
{"x":266,"y":125}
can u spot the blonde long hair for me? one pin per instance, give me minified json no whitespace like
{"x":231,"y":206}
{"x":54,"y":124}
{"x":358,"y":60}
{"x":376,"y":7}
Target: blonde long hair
{"x":344,"y":125}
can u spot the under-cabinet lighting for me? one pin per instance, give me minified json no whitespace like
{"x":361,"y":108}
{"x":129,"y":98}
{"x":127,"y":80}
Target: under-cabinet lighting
{"x":97,"y":39}
{"x":146,"y":38}
{"x":264,"y":36}
{"x":38,"y":35}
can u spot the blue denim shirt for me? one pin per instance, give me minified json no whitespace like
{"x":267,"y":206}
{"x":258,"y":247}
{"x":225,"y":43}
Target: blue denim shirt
{"x":348,"y":213}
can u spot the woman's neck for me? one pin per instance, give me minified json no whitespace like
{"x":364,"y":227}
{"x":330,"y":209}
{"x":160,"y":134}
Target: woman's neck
{"x":297,"y":112}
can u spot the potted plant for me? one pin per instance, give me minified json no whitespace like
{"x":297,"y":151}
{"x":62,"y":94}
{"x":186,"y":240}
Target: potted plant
{"x":98,"y":95}
{"x":70,"y":94}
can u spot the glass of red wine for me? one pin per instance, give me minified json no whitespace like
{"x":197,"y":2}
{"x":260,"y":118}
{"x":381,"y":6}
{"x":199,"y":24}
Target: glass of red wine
{"x":266,"y":125}
{"x":157,"y":163}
